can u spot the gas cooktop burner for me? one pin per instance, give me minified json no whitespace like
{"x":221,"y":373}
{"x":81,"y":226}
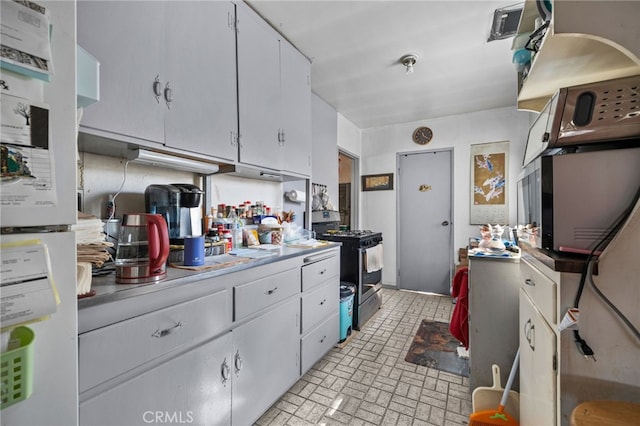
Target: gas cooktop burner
{"x":351,"y":233}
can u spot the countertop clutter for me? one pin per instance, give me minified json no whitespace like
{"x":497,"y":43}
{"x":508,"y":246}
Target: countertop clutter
{"x":107,"y":292}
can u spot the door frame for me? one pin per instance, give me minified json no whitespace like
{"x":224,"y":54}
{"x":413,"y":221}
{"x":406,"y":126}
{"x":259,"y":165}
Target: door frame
{"x":451,"y":207}
{"x":355,"y":187}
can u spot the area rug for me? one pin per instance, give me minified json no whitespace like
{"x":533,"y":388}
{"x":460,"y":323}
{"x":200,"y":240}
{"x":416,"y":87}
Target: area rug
{"x":434,"y":347}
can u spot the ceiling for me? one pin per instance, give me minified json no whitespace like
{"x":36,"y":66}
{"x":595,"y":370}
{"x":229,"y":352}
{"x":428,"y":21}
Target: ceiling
{"x":355,"y":49}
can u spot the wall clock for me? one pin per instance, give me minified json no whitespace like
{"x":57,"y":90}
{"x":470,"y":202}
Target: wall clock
{"x":422,"y":135}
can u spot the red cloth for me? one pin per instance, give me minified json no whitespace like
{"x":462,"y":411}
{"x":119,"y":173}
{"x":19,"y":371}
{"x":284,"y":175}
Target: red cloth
{"x":459,"y":325}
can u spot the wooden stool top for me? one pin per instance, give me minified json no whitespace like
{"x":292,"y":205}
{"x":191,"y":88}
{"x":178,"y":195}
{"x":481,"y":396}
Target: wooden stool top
{"x":599,"y":413}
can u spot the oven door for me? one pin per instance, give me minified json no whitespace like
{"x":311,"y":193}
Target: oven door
{"x":370,"y":281}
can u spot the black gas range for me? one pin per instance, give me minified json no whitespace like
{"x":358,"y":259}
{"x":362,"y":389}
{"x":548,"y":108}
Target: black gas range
{"x":356,"y":268}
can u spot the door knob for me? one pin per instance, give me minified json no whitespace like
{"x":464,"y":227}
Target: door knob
{"x":445,"y":223}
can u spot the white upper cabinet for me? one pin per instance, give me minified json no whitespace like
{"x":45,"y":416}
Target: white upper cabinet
{"x":207,"y":78}
{"x":127,"y":39}
{"x":168,"y":73}
{"x":586,"y":42}
{"x":258,"y":90}
{"x":296,"y":108}
{"x":274,"y":95}
{"x":200,"y":65}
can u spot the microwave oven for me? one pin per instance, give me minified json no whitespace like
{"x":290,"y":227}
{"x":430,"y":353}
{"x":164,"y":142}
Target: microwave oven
{"x":594,"y":113}
{"x":569,"y":202}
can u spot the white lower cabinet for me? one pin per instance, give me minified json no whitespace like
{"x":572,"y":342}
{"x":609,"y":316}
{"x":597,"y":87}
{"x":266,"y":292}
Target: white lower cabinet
{"x":222,"y":358}
{"x":538,"y":362}
{"x":319,"y":341}
{"x":192,"y":388}
{"x":320,"y":326}
{"x":265,"y":361}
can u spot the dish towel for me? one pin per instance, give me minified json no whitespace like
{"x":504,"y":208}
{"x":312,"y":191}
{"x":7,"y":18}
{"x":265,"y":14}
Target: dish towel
{"x":373,"y":258}
{"x":459,"y":325}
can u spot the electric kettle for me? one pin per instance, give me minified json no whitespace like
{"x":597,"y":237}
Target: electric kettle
{"x":143,"y":248}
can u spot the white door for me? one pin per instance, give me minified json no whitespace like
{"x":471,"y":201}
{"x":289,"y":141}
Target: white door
{"x":425,"y":254}
{"x":266,"y":361}
{"x":258,"y":90}
{"x":200,"y":64}
{"x":127,"y":39}
{"x":537,"y":366}
{"x":296,"y":106}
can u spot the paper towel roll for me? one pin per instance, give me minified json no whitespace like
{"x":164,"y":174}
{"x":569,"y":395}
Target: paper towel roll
{"x":297,"y":196}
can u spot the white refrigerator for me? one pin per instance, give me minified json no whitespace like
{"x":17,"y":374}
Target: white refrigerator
{"x":54,"y":399}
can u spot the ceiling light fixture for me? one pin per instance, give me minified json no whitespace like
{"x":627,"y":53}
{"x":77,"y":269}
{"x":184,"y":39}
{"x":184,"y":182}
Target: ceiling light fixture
{"x":409,"y":61}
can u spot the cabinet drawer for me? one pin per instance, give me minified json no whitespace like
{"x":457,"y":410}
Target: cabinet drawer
{"x":319,"y":342}
{"x":112,"y":350}
{"x":318,"y":272}
{"x":540,"y":289}
{"x":256,"y":295}
{"x":320,"y":304}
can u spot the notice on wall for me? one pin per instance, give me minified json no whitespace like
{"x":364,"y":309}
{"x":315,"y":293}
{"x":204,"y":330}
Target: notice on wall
{"x":26,"y":161}
{"x":489,"y":180}
{"x":28,"y":292}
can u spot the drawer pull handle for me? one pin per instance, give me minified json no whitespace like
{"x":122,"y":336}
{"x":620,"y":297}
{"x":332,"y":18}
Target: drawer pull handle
{"x":323,"y":339}
{"x":323,"y":271}
{"x":273,"y":290}
{"x":237,"y":362}
{"x":224,"y":371}
{"x":323,"y":302}
{"x":167,"y":331}
{"x":530,"y":282}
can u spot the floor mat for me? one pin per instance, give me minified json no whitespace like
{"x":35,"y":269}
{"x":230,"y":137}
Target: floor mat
{"x":434,"y":347}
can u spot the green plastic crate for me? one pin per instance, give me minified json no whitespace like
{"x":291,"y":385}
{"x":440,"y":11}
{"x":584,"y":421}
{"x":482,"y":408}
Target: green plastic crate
{"x":16,"y":368}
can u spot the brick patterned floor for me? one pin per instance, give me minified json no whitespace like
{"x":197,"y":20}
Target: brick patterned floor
{"x":368,"y":382}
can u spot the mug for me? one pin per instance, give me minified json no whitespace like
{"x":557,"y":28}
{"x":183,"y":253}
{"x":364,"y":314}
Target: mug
{"x":194,"y":250}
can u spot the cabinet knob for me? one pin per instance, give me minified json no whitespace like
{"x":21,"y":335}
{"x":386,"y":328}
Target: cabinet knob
{"x":168,"y":95}
{"x":445,"y":223}
{"x":224,"y":371}
{"x":237,"y":362}
{"x":157,"y":88}
{"x":530,"y":282}
{"x":529,"y":334}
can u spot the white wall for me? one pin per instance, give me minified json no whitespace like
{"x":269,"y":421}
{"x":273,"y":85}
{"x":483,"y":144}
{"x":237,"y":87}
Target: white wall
{"x":380,"y":146}
{"x":324,"y":151}
{"x":102,"y":175}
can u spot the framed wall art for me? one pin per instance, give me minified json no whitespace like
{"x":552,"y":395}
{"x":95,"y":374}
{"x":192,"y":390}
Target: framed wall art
{"x":380,"y":182}
{"x":489,"y":183}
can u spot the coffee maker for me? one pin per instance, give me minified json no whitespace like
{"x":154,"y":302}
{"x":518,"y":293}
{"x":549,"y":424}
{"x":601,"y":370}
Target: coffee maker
{"x":179,"y":204}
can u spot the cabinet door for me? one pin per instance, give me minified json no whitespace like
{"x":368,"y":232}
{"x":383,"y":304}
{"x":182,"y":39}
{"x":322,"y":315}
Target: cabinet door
{"x":296,"y":108}
{"x":127,"y":40}
{"x":258,"y":90}
{"x":189,"y":389}
{"x":200,"y":67}
{"x":266,"y":361}
{"x":538,"y":386}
